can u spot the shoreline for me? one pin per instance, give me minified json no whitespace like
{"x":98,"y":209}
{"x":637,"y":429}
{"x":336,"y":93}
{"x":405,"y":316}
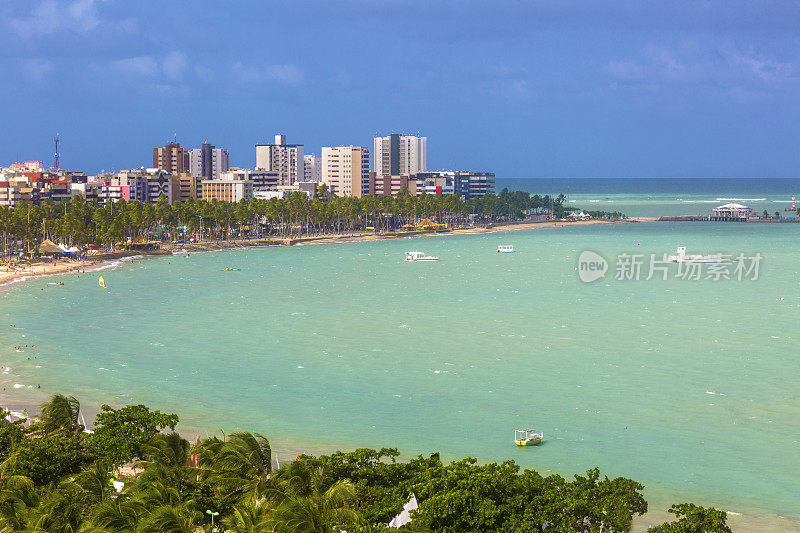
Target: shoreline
{"x":740,"y":518}
{"x":749,"y":520}
{"x":104,"y":260}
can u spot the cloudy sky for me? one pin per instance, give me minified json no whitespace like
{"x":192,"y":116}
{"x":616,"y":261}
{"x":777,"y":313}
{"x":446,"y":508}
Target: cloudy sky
{"x":525,"y":88}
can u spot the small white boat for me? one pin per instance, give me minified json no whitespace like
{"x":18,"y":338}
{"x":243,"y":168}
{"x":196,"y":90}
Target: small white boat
{"x":420,"y":256}
{"x":683,"y":257}
{"x":527,"y":437}
{"x":505,"y":249}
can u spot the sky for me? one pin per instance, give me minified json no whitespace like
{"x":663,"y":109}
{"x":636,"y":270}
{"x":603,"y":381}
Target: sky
{"x":522,"y":88}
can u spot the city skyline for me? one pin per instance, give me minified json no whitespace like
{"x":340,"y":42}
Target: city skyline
{"x":535,"y":89}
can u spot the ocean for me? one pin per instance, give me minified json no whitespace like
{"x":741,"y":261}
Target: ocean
{"x":654,"y":197}
{"x":688,"y":386}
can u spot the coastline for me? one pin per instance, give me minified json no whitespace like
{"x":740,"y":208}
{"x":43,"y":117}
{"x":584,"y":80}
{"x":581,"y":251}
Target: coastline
{"x":106,"y":260}
{"x":750,"y":520}
{"x":739,"y":518}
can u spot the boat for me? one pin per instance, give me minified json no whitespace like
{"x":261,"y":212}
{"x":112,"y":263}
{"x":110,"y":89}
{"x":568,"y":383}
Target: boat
{"x":102,"y":282}
{"x":505,"y":249}
{"x":230,"y":269}
{"x":683,"y":257}
{"x":527,"y":437}
{"x":420,"y":256}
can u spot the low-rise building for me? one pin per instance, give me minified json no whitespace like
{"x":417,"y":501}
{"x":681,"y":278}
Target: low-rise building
{"x":9,"y":195}
{"x":232,"y":186}
{"x":392,"y":185}
{"x":189,"y":187}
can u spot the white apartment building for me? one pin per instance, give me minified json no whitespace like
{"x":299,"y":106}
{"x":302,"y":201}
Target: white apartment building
{"x":285,"y":159}
{"x":232,"y":186}
{"x":208,"y":161}
{"x":313,"y":168}
{"x":400,"y":155}
{"x":345,"y":169}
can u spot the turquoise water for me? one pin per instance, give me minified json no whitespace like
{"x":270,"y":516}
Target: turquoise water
{"x":688,"y":386}
{"x":664,"y":197}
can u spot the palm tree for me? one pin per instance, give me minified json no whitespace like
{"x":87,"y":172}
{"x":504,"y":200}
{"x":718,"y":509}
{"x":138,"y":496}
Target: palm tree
{"x":59,"y":412}
{"x":169,"y":519}
{"x":17,"y":496}
{"x":318,"y":512}
{"x":119,"y":515}
{"x":250,"y":518}
{"x":240,"y":465}
{"x":96,"y":481}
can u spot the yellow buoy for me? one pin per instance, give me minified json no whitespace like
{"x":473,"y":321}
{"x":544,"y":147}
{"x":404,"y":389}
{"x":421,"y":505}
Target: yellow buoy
{"x":102,"y":282}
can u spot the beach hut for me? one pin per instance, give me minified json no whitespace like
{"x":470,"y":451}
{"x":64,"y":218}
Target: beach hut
{"x":48,"y":247}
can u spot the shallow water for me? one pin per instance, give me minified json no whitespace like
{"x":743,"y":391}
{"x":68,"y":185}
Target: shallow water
{"x":690,"y":387}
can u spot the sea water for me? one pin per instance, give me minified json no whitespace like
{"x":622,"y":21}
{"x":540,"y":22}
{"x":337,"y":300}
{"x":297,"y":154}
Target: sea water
{"x":689,"y":386}
{"x":638,"y":197}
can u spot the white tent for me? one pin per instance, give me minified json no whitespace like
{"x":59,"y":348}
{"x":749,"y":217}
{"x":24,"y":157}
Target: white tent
{"x":405,"y":516}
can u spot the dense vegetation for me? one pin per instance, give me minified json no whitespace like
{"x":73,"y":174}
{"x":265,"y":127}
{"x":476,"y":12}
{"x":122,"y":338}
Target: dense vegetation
{"x":77,"y":222}
{"x":56,"y":477}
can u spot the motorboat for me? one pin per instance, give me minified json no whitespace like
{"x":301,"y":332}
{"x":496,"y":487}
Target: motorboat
{"x":420,"y":256}
{"x":505,"y":249}
{"x":683,"y":257}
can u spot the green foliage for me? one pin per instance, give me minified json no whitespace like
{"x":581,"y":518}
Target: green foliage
{"x":78,"y":222}
{"x":694,"y":519}
{"x":54,"y":480}
{"x":59,"y":413}
{"x":121,"y":434}
{"x":11,"y":434}
{"x":47,"y":458}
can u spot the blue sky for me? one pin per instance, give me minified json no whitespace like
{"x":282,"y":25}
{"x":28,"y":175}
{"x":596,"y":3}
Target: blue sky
{"x":524,"y":88}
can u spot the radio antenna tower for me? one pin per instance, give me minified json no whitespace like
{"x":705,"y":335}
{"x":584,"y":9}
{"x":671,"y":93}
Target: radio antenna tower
{"x":56,"y":139}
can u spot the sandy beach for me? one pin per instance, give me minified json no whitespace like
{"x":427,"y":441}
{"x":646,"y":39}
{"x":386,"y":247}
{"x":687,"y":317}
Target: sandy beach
{"x":51,"y":268}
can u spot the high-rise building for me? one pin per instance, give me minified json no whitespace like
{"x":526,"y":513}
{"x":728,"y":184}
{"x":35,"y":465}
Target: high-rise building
{"x":171,"y":158}
{"x":400,"y":155}
{"x":285,"y":159}
{"x":208,"y":161}
{"x":313,"y":168}
{"x":345,"y":169}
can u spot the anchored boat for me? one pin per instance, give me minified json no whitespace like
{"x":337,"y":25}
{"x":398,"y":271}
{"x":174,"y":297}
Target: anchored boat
{"x":505,"y":249}
{"x":527,"y":437}
{"x":683,"y":257}
{"x":420,"y":256}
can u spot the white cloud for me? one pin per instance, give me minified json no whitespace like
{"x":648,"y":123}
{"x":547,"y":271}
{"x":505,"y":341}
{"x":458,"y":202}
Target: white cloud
{"x":288,"y":74}
{"x":141,"y":66}
{"x":174,"y":65}
{"x":35,"y":69}
{"x":765,"y":69}
{"x":285,"y":74}
{"x":51,"y":16}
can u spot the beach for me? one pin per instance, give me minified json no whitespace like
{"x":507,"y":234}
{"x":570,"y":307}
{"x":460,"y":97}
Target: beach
{"x":55,"y":267}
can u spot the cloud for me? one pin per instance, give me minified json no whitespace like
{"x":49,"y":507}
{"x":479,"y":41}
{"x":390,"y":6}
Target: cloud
{"x":765,"y":69}
{"x":288,"y":74}
{"x":140,"y":66}
{"x":35,"y":69}
{"x":284,"y":74}
{"x":174,"y":65}
{"x":51,"y":16}
{"x":624,"y":70}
